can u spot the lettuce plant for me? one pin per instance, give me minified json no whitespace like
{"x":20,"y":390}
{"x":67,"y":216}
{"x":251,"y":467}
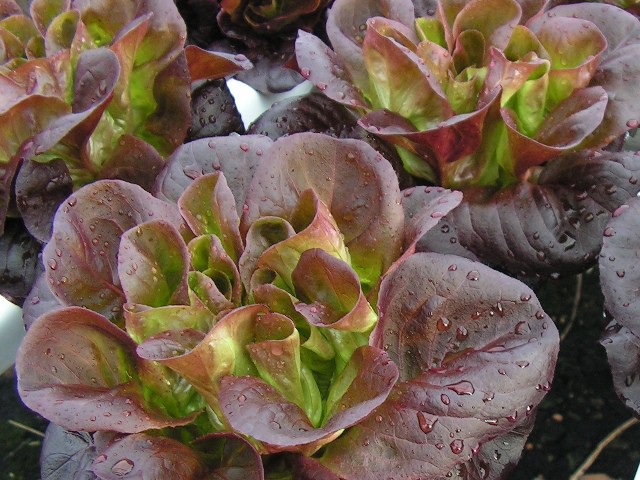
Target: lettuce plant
{"x":264,"y":31}
{"x":266,"y":314}
{"x":93,"y":90}
{"x":486,"y":97}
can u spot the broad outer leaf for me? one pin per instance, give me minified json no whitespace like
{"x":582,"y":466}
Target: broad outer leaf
{"x":354,"y":181}
{"x":81,"y":258}
{"x":235,"y":156}
{"x":67,"y":455}
{"x":550,"y":228}
{"x":255,"y":409}
{"x":141,"y":456}
{"x":620,"y":279}
{"x":476,"y":354}
{"x":78,"y":370}
{"x":40,"y":188}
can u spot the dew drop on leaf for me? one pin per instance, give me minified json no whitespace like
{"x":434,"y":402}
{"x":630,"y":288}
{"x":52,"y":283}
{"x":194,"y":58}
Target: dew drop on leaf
{"x":457,"y":446}
{"x":122,"y":467}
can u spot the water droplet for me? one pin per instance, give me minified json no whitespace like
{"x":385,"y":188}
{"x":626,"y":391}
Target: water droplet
{"x":525,"y":297}
{"x":52,"y":264}
{"x":488,"y":396}
{"x":461,"y":334}
{"x":379,"y":418}
{"x":437,"y":215}
{"x":539,"y":314}
{"x":122,"y":467}
{"x":618,"y":211}
{"x":100,"y":459}
{"x":609,"y":232}
{"x":439,"y":446}
{"x":443,"y":324}
{"x":321,"y":86}
{"x":473,"y":275}
{"x":445,"y":399}
{"x":453,"y":268}
{"x":620,"y":273}
{"x":502,"y":371}
{"x":426,"y":422}
{"x":513,"y":417}
{"x":305,"y":72}
{"x":491,"y":421}
{"x":633,"y":123}
{"x":522,"y":363}
{"x":462,"y":388}
{"x":456,"y":446}
{"x":54,"y":370}
{"x":127,"y":413}
{"x":242,"y":398}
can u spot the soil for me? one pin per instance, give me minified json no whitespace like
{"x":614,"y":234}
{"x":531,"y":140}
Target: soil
{"x":580,"y":410}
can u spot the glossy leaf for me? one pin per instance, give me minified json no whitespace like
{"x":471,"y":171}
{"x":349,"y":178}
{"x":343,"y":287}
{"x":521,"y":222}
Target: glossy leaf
{"x":67,"y":455}
{"x":619,"y":278}
{"x":473,"y":349}
{"x":334,"y":169}
{"x":572,"y":203}
{"x":80,"y":259}
{"x":83,"y":377}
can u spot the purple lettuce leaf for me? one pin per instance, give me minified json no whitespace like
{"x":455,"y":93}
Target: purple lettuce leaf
{"x":202,"y":63}
{"x":254,"y":408}
{"x":322,"y":67}
{"x":81,"y":258}
{"x":40,"y":188}
{"x":213,"y":111}
{"x":237,"y":157}
{"x":141,"y":456}
{"x":67,"y":455}
{"x":347,"y":23}
{"x":153,"y":264}
{"x":550,"y":228}
{"x":39,"y":301}
{"x":81,"y":372}
{"x":350,"y":178}
{"x":230,"y":457}
{"x":619,"y":278}
{"x":497,"y":458}
{"x":133,"y":161}
{"x":19,"y":260}
{"x":143,"y":322}
{"x":313,"y":112}
{"x":476,"y":354}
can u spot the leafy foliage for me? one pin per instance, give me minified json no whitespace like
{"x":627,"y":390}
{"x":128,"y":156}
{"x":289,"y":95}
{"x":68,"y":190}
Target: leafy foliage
{"x":272,"y":303}
{"x":489,"y":103}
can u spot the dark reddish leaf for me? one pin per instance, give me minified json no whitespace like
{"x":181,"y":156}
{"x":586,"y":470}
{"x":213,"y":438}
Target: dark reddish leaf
{"x":39,"y":301}
{"x":553,"y":227}
{"x":476,"y":354}
{"x":620,"y":278}
{"x":230,"y":457}
{"x":213,"y":111}
{"x":40,"y":188}
{"x":235,"y":156}
{"x":313,"y":112}
{"x":207,"y":65}
{"x":67,"y":455}
{"x":19,"y":259}
{"x":134,"y":161}
{"x":141,"y":456}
